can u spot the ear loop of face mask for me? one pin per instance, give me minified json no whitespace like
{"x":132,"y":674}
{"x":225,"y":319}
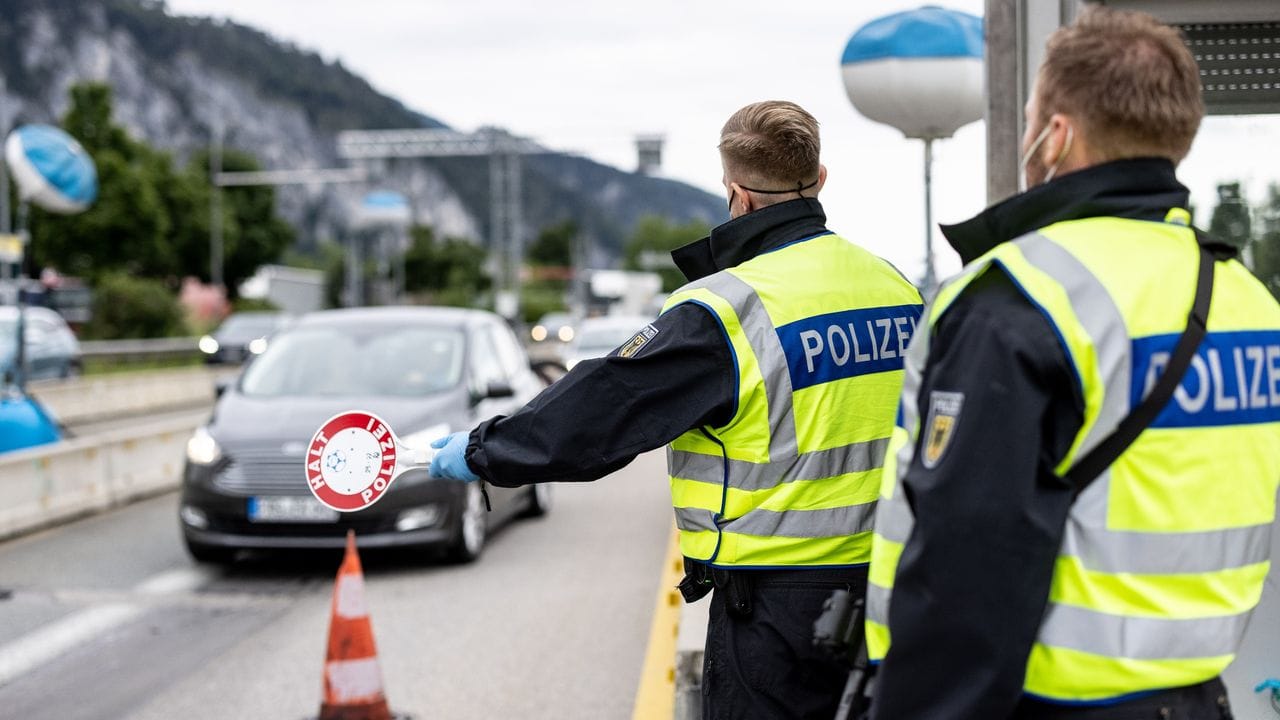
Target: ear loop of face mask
{"x":800,"y":188}
{"x":1026,"y":159}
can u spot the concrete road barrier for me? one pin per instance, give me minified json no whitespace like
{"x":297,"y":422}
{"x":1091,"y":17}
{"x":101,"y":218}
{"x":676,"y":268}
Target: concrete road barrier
{"x":105,"y":397}
{"x":689,"y":655}
{"x":54,"y":483}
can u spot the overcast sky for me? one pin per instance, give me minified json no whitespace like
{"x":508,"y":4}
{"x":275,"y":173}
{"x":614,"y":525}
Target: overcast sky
{"x":586,"y":76}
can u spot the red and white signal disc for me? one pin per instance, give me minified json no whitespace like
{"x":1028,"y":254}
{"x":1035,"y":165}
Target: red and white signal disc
{"x":351,"y":461}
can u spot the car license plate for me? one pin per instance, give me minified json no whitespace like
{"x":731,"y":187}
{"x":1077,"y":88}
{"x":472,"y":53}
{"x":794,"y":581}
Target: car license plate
{"x":285,"y":508}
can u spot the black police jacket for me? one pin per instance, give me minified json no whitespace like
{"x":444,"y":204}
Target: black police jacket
{"x":606,"y":411}
{"x":973,"y":580}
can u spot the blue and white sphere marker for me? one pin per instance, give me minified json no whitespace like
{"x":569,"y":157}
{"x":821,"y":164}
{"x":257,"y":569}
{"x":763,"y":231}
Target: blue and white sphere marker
{"x":51,"y":169}
{"x":919,"y":71}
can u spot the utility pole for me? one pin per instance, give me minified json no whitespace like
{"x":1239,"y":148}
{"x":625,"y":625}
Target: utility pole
{"x":215,"y":205}
{"x":930,"y":282}
{"x":5,"y":218}
{"x":497,"y":222}
{"x":6,"y":212}
{"x":515,"y":233}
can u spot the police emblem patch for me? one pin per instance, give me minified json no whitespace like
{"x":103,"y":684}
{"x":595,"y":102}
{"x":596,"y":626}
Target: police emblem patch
{"x":940,"y":426}
{"x":638,"y":341}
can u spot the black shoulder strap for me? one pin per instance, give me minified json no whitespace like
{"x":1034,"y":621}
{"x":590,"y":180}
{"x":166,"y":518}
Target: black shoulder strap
{"x":1084,"y":472}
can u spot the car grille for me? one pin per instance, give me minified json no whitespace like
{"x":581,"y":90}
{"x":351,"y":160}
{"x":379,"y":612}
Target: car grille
{"x":262,"y":471}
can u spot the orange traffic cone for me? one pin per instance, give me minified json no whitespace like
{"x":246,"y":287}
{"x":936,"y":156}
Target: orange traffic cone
{"x":352,"y":678}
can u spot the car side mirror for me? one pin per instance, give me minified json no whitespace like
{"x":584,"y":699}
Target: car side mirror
{"x":498,"y":390}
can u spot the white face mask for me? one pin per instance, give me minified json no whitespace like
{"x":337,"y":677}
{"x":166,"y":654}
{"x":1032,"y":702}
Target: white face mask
{"x":1026,"y":158}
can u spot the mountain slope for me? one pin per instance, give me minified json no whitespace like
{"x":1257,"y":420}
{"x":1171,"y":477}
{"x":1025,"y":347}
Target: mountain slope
{"x":177,"y":78}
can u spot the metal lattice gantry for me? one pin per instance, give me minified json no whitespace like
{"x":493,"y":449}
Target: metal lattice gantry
{"x":505,"y":153}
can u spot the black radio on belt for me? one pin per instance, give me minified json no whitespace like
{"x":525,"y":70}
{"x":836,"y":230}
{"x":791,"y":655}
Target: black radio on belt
{"x":839,"y":630}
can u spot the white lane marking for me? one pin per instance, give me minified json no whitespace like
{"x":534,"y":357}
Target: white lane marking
{"x":48,"y":642}
{"x":183,"y":579}
{"x":37,"y":648}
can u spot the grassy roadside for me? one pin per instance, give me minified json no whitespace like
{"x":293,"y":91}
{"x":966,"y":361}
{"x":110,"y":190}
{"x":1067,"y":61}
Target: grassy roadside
{"x":115,"y":366}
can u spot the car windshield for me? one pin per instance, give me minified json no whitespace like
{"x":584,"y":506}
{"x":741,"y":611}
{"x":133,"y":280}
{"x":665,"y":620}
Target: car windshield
{"x":605,"y":338}
{"x":358,"y":361}
{"x":249,"y":325}
{"x":555,"y":320}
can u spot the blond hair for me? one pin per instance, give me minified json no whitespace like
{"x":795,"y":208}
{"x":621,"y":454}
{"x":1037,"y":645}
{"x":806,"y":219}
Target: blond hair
{"x":771,"y":145}
{"x":1128,"y":78}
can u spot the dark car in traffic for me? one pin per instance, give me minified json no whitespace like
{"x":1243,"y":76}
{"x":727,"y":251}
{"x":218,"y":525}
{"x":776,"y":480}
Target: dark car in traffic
{"x":425,"y":371}
{"x":242,"y":336}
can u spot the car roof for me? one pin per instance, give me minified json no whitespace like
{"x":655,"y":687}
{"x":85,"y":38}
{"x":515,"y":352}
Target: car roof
{"x":265,"y":314}
{"x":459,"y":317}
{"x":631,"y":321}
{"x":10,"y":312}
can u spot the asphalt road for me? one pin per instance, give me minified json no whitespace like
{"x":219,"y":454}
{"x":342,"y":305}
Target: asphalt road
{"x":107,"y":618}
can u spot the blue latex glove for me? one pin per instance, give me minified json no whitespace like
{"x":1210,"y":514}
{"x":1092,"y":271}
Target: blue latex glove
{"x":451,"y":460}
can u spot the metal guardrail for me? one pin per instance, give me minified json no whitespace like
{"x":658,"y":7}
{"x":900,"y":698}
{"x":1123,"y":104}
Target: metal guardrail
{"x":152,"y":347}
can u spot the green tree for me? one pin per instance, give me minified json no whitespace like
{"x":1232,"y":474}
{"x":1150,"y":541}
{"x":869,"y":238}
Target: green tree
{"x":554,"y":246}
{"x":1264,"y":250}
{"x":252,"y":233}
{"x":128,"y":307}
{"x":445,"y":272}
{"x":550,"y":257}
{"x":1230,"y":221}
{"x":127,"y":227}
{"x":651,"y":242}
{"x":151,"y":218}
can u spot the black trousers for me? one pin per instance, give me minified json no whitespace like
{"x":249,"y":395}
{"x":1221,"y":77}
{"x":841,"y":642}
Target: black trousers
{"x":762,"y":665}
{"x":1206,"y":701}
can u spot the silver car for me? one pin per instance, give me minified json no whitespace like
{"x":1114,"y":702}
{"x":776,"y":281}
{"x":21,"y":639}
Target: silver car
{"x":51,"y":349}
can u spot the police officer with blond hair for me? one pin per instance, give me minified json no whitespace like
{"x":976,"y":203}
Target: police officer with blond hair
{"x":1089,"y":452}
{"x":772,"y":378}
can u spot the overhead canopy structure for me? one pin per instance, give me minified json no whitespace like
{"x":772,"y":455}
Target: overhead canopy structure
{"x":506,"y":207}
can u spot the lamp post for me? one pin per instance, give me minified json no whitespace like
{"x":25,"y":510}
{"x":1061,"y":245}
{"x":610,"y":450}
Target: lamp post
{"x":55,"y":173}
{"x":921,"y":72}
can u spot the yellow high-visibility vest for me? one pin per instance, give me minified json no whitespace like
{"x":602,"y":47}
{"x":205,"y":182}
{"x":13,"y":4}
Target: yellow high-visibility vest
{"x":817,"y":329}
{"x":1165,"y":553}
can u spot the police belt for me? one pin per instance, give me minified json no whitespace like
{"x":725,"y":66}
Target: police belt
{"x":701,"y":578}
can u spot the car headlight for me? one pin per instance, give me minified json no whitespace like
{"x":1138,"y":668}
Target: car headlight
{"x":565,"y":334}
{"x":202,"y":449}
{"x":208,"y":345}
{"x":257,"y":345}
{"x":538,"y":333}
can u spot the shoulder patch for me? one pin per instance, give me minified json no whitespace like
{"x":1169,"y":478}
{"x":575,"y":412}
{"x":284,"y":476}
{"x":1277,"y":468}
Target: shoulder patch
{"x":637,"y":342}
{"x":940,"y":426}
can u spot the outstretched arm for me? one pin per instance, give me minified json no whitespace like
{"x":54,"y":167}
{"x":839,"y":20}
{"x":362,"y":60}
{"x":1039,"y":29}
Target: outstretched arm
{"x":606,"y":411}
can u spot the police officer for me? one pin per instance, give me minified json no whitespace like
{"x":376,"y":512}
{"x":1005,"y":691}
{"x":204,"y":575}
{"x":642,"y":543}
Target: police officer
{"x":772,"y":377}
{"x":995,"y":590}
